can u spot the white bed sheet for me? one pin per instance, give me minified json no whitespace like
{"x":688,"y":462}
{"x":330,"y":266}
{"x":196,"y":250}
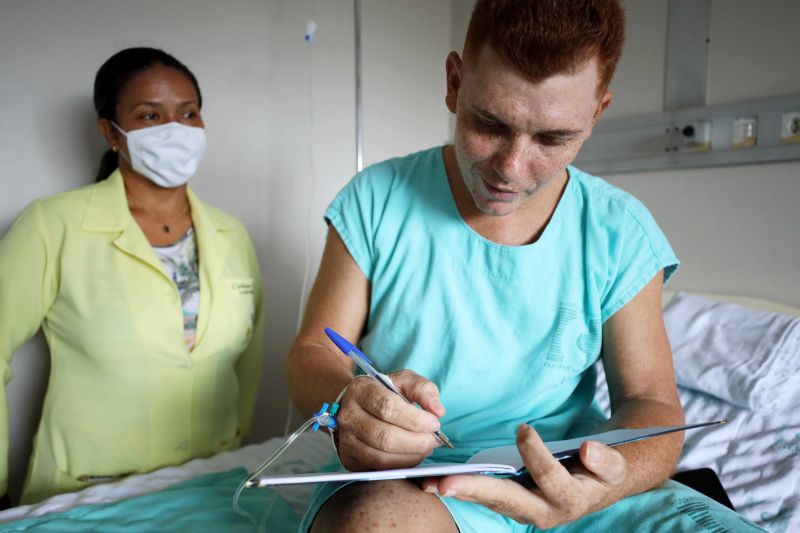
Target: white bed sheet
{"x":756,"y":456}
{"x":308,"y":454}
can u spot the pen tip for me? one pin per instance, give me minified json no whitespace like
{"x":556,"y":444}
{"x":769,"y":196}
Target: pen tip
{"x":444,"y":440}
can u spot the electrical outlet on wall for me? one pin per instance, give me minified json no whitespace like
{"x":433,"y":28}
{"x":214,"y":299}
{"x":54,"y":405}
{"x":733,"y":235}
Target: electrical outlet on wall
{"x":697,"y":136}
{"x":745,"y":130}
{"x":790,"y":127}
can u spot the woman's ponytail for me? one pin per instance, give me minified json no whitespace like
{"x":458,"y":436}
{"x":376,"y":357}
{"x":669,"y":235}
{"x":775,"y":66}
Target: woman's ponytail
{"x":108,"y":164}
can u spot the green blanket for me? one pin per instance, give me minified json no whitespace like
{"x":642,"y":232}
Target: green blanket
{"x":202,"y":504}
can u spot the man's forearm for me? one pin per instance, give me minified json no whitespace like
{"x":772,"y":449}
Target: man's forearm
{"x":316,"y":375}
{"x":651,"y":461}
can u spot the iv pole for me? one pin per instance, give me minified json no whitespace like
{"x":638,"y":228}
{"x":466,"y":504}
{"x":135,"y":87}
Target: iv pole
{"x":359,"y":107}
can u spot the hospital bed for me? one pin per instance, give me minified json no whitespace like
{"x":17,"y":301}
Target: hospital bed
{"x":756,"y":455}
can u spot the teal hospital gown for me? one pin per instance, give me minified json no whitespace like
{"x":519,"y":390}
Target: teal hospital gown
{"x":509,"y":334}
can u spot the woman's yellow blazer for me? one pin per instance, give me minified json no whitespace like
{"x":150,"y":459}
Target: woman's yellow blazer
{"x":124,"y":394}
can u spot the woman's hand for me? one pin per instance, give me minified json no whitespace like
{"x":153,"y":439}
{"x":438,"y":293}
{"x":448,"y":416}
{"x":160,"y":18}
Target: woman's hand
{"x":559,"y":496}
{"x":377,"y":429}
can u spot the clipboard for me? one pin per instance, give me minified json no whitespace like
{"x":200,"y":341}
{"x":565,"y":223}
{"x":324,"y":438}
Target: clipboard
{"x":502,"y":460}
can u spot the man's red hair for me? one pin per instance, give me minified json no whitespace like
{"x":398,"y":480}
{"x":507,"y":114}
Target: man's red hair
{"x":542,"y":38}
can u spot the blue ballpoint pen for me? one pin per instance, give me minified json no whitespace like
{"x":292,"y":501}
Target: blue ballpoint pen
{"x":365,"y":365}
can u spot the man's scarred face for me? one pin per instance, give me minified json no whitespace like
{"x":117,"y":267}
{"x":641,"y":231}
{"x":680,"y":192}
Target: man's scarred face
{"x":514,"y":137}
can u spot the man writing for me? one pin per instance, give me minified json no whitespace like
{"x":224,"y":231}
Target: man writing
{"x":491,"y":275}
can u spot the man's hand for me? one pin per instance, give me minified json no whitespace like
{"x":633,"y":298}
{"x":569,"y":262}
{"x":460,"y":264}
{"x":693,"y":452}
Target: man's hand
{"x":560,"y":495}
{"x":378,"y":429}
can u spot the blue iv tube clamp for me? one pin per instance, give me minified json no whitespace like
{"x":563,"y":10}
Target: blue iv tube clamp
{"x":326,"y":418}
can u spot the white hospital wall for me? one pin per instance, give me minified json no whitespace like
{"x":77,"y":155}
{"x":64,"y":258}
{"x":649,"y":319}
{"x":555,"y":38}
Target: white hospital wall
{"x":253,"y":67}
{"x":737,"y":228}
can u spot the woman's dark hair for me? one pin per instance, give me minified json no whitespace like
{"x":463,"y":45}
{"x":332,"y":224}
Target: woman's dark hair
{"x":112,"y":77}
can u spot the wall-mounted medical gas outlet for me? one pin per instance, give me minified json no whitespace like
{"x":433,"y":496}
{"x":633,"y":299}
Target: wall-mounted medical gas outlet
{"x":703,"y":136}
{"x":673,"y":139}
{"x":697,"y":136}
{"x":790,"y":127}
{"x":745,"y":130}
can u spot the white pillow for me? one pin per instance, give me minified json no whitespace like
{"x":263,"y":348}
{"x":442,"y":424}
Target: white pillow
{"x":745,"y":356}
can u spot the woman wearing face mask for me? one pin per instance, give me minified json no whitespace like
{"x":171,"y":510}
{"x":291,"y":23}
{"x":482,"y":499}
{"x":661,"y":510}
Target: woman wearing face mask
{"x":150,"y":299}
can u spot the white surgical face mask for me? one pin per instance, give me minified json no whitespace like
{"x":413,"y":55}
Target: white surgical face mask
{"x":167,"y":155}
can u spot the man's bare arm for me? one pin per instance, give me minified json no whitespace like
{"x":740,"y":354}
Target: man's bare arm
{"x":641,"y":381}
{"x":339,"y":299}
{"x":377,"y":428}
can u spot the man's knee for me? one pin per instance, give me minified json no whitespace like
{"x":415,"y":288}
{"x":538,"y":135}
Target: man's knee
{"x":398,"y":505}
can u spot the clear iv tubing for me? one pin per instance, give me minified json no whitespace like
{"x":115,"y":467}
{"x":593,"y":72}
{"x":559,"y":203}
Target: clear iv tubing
{"x":323,"y":419}
{"x":311,"y":28}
